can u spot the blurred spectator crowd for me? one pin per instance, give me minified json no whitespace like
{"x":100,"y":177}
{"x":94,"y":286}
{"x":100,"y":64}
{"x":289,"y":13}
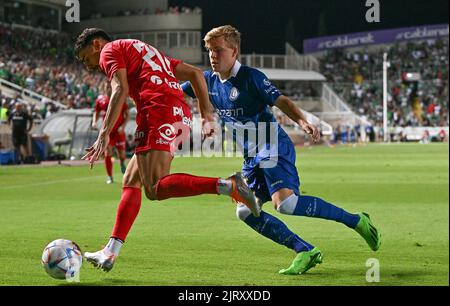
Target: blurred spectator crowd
{"x":43,"y":62}
{"x":175,"y":10}
{"x":357,"y":76}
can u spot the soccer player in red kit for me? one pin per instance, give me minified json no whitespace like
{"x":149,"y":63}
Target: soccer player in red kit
{"x":142,"y":72}
{"x":117,"y":137}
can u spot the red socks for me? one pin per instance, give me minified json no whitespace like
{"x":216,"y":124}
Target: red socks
{"x":180,"y":185}
{"x":129,"y":206}
{"x":108,"y":165}
{"x":171,"y":186}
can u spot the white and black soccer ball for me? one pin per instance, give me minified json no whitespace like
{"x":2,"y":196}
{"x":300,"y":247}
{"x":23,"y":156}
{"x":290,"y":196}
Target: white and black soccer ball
{"x":62,"y":259}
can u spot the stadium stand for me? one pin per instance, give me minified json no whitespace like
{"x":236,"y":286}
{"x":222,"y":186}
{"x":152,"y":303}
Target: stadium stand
{"x":43,"y":61}
{"x":356,"y":75}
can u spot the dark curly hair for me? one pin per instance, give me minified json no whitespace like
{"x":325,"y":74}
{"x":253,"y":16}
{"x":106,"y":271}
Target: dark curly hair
{"x":86,"y":37}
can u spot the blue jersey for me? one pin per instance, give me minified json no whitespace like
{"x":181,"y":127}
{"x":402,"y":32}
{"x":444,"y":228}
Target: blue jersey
{"x":244,"y":101}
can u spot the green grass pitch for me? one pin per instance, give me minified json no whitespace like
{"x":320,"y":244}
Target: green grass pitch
{"x":199,"y":240}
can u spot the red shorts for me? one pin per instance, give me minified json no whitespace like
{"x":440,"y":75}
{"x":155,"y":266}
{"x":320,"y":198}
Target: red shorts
{"x":162,"y":125}
{"x":117,"y":140}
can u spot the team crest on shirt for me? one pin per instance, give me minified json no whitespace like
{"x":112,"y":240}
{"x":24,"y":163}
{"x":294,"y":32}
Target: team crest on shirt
{"x":266,"y":82}
{"x":234,"y":94}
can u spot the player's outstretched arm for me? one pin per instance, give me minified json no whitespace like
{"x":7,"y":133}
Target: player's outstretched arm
{"x":295,"y":114}
{"x":186,"y":72}
{"x":119,"y":95}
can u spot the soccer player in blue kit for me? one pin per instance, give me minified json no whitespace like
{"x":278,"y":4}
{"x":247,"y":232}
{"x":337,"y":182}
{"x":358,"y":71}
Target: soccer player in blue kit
{"x":242,"y":95}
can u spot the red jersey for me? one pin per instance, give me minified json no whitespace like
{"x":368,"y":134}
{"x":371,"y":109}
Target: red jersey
{"x":101,"y":106}
{"x":149,"y":73}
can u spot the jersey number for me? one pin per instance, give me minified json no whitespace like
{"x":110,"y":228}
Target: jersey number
{"x":150,"y":53}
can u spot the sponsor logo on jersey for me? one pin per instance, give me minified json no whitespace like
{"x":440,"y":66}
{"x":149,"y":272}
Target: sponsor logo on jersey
{"x":173,"y":84}
{"x":266,"y":82}
{"x":167,"y":131}
{"x":162,"y":141}
{"x":230,"y":112}
{"x":178,"y":111}
{"x":138,"y":135}
{"x":187,"y":121}
{"x":156,"y":80}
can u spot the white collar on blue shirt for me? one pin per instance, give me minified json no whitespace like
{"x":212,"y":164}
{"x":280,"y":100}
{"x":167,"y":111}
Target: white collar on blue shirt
{"x":234,"y":71}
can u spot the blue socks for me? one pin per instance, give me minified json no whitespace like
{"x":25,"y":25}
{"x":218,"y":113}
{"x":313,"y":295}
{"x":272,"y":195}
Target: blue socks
{"x":274,"y":229}
{"x":315,"y":207}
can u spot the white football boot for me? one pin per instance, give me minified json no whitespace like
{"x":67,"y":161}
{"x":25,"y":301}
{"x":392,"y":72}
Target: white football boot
{"x":241,"y":193}
{"x":101,"y":260}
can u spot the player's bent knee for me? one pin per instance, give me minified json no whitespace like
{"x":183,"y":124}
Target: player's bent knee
{"x":276,"y":205}
{"x":127,"y":182}
{"x":131,"y":180}
{"x":287,"y":206}
{"x":242,"y":212}
{"x":150,"y":194}
{"x":277,"y":202}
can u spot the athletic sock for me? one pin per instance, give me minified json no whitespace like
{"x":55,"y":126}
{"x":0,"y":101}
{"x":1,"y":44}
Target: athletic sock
{"x":274,"y":229}
{"x":108,"y":165}
{"x":317,"y":208}
{"x":180,"y":185}
{"x":128,"y":209}
{"x":113,"y":247}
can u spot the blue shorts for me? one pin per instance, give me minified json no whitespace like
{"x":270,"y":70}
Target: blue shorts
{"x":265,"y":181}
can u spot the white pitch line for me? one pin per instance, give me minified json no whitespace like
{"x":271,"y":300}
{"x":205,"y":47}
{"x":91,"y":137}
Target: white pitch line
{"x":52,"y":182}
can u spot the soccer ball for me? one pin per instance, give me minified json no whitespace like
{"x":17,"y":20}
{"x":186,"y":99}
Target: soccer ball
{"x":62,"y":259}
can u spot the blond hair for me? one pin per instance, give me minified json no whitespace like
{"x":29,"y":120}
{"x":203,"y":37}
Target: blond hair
{"x":229,"y":33}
